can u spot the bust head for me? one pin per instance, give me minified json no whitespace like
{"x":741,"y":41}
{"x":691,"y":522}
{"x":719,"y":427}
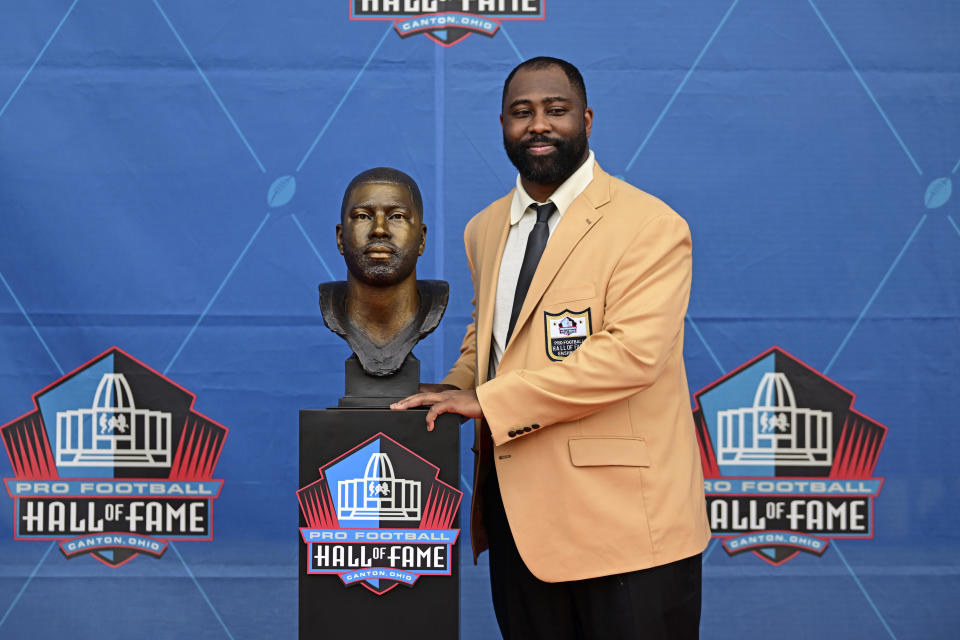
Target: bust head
{"x":382,"y":310}
{"x":381,"y":232}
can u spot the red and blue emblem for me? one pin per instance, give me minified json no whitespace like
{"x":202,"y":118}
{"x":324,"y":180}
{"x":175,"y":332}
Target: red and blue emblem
{"x":788,"y":462}
{"x":113,"y":462}
{"x":379,"y":516}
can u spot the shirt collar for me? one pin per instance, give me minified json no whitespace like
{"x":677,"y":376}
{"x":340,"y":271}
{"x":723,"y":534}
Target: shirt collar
{"x":563,"y":197}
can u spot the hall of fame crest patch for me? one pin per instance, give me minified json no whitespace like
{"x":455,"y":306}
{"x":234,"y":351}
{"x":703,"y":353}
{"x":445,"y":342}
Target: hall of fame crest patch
{"x":564,"y":332}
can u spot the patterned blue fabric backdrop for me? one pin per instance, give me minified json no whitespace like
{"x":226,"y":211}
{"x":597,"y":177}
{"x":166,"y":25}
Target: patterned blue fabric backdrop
{"x":812,"y":145}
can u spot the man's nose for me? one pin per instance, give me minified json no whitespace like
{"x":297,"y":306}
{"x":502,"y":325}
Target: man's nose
{"x":380,"y":228}
{"x":539,"y":123}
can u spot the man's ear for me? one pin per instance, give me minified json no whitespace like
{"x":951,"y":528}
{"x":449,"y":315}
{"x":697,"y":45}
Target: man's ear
{"x":340,"y":238}
{"x":423,"y":239}
{"x":588,"y":120}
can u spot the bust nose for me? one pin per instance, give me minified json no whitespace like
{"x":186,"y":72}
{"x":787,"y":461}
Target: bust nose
{"x":379,"y":228}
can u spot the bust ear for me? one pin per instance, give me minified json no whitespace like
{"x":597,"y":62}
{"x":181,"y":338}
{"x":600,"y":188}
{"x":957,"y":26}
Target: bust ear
{"x":423,"y":239}
{"x":340,"y":238}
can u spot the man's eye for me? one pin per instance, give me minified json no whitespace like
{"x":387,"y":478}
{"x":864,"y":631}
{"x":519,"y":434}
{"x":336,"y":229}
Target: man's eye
{"x":557,"y":112}
{"x":361,"y":215}
{"x":398,"y":216}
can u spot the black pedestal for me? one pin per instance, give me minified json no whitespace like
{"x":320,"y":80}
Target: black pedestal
{"x":363,"y":390}
{"x":379,"y":498}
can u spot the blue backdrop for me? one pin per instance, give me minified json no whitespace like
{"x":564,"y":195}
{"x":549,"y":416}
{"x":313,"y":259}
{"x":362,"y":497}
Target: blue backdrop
{"x":811,"y":145}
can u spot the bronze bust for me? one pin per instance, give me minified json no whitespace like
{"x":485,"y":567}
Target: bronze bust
{"x":382,"y":310}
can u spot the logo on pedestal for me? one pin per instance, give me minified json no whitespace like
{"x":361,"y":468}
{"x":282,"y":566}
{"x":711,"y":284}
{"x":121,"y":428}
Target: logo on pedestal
{"x":379,"y":516}
{"x":113,"y":462}
{"x":788,"y":463}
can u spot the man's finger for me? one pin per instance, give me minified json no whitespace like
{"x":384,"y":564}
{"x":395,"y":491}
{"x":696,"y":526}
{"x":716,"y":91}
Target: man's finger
{"x":416,"y":400}
{"x":405,"y":403}
{"x":435,"y":411}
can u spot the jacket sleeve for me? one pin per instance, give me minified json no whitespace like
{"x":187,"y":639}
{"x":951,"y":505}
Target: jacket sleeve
{"x":463,"y":374}
{"x":644,"y":307}
{"x":464,"y":371}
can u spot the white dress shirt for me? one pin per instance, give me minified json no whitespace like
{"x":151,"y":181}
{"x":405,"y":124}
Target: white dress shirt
{"x":523,"y":216}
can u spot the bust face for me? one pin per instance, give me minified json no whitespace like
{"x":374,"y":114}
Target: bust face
{"x":382,"y":234}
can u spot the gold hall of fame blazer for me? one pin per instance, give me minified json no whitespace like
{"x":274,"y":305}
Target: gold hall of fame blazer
{"x":595,"y":448}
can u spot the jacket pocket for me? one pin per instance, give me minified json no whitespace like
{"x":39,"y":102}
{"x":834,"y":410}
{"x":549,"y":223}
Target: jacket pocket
{"x":607,"y":452}
{"x":569,"y":294}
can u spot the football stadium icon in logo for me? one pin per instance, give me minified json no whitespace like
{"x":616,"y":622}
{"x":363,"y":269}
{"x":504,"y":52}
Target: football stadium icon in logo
{"x":788,"y":463}
{"x":113,"y":462}
{"x":378,"y":494}
{"x":446,"y":22}
{"x":567,"y":327}
{"x":113,"y":430}
{"x":774,"y":429}
{"x":390,"y":522}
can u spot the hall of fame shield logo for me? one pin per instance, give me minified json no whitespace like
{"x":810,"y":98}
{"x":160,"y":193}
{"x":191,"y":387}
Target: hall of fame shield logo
{"x":379,"y":516}
{"x":564,"y":332}
{"x":113,"y":462}
{"x":446,"y":22}
{"x":788,"y":462}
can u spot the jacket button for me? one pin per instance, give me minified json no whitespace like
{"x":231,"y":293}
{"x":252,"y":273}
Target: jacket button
{"x":535,"y":426}
{"x":512,"y":433}
{"x":527,"y":429}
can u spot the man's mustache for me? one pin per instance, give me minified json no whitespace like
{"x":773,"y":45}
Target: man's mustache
{"x":539,"y":140}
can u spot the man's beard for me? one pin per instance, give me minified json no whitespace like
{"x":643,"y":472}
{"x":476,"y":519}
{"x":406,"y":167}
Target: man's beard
{"x":553,"y":168}
{"x":380,"y":272}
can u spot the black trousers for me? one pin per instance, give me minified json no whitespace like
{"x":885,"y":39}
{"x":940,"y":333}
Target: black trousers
{"x":660,"y":603}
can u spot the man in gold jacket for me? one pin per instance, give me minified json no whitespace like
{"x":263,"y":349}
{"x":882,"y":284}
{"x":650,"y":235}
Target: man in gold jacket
{"x":588,"y":484}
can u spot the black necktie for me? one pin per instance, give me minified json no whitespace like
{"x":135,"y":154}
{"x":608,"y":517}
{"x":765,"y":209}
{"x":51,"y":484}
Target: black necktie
{"x":536,"y":243}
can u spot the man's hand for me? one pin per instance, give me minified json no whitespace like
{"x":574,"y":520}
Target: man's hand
{"x":450,"y":401}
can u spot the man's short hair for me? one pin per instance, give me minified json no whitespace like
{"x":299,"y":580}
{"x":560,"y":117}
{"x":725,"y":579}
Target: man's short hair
{"x":383,"y":175}
{"x":543,"y":62}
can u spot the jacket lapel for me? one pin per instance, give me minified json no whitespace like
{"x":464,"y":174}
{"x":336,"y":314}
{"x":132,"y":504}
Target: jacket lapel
{"x":584,"y":212}
{"x":495,"y":236}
